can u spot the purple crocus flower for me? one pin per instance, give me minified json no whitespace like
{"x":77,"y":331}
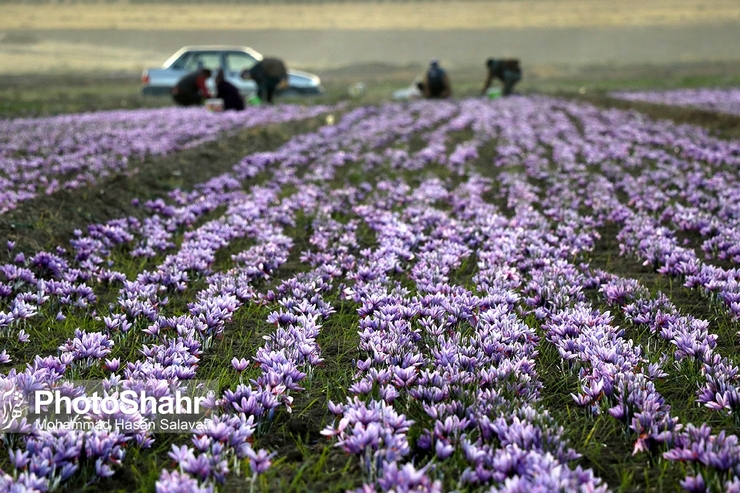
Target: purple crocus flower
{"x":239,"y":364}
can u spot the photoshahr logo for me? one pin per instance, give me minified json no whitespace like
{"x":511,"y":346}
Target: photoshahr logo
{"x":123,"y":405}
{"x":11,"y":405}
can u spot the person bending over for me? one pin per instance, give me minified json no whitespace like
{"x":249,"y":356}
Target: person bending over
{"x":507,"y":71}
{"x":191,"y":90}
{"x":269,"y":75}
{"x":436,"y":83}
{"x":229,"y":93}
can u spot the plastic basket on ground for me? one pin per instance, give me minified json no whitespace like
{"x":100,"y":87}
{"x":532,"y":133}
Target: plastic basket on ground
{"x":493,"y":93}
{"x":254,"y":100}
{"x":215,"y":104}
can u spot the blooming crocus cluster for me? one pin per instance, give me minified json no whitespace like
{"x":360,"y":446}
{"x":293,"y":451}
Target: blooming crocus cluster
{"x":42,"y":155}
{"x":465,"y":380}
{"x":651,"y":193}
{"x":723,"y":100}
{"x":454,"y":297}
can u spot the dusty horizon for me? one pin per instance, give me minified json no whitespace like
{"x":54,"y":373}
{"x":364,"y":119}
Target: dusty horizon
{"x":462,"y":14}
{"x":123,"y":37}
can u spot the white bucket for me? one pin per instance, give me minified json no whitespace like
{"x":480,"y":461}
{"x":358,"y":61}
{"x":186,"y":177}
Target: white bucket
{"x":215,"y":104}
{"x":356,"y":90}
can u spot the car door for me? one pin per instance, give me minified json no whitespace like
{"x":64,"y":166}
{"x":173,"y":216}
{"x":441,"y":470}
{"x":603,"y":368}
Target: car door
{"x":235,"y":62}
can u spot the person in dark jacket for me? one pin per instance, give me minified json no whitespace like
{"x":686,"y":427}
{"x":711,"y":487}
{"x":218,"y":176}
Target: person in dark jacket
{"x":269,"y":74}
{"x":507,"y":71}
{"x":436,"y":83}
{"x":229,"y":93}
{"x":191,"y":90}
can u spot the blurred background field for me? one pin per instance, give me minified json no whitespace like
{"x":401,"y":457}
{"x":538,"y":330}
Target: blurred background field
{"x":60,"y":56}
{"x":48,"y":94}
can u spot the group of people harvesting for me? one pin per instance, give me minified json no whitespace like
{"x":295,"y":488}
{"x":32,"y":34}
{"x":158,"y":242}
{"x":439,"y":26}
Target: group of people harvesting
{"x":436,"y":84}
{"x":270,"y":74}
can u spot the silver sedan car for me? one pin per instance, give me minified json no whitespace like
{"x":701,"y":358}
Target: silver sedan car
{"x":233,"y":59}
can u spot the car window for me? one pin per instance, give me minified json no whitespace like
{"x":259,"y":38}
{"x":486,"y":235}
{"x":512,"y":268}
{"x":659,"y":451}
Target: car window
{"x":238,"y":61}
{"x":200,"y":60}
{"x":180,"y":62}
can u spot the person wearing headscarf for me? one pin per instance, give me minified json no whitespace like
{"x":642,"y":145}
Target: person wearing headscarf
{"x":507,"y":71}
{"x":191,"y":90}
{"x":436,"y":83}
{"x":229,"y":93}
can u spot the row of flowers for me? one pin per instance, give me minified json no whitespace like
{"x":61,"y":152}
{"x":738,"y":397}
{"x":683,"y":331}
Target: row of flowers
{"x":43,"y":155}
{"x":723,"y":100}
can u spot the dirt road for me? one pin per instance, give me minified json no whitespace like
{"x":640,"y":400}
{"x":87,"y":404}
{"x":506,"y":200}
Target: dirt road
{"x":89,"y":36}
{"x":25,"y":51}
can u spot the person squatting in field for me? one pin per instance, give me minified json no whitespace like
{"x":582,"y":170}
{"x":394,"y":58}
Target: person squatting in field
{"x":269,"y":74}
{"x":191,"y":90}
{"x":506,"y":70}
{"x":229,"y":93}
{"x":436,"y":83}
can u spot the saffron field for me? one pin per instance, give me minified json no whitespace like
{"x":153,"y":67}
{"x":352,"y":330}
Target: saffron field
{"x":723,"y":100}
{"x":526,"y":294}
{"x":72,"y":151}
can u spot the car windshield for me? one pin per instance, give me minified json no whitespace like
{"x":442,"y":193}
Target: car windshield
{"x":237,"y":61}
{"x":205,"y":59}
